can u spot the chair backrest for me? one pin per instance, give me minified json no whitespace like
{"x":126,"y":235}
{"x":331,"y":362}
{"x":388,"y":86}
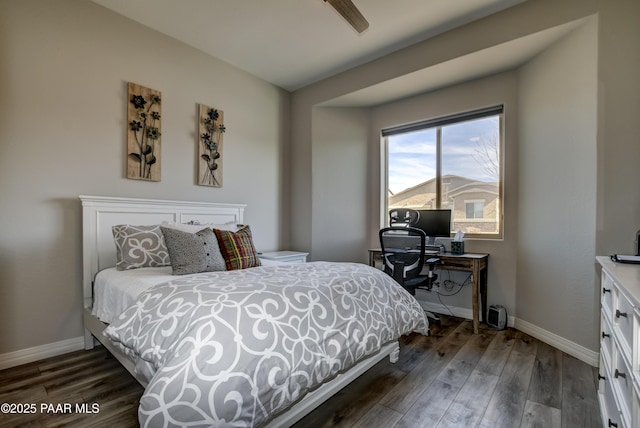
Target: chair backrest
{"x":403,"y":217}
{"x":402,"y":248}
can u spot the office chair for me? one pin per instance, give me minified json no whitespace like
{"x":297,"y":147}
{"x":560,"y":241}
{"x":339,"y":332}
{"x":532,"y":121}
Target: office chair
{"x":403,"y":257}
{"x":403,"y":217}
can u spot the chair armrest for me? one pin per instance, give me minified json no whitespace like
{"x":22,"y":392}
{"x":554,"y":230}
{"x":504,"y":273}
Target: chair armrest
{"x":398,"y":272}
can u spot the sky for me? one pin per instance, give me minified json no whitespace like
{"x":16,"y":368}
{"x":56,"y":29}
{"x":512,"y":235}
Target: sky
{"x":412,"y":156}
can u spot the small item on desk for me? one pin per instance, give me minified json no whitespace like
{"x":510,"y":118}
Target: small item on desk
{"x":434,"y":249}
{"x":619,"y":258}
{"x":457,"y":244}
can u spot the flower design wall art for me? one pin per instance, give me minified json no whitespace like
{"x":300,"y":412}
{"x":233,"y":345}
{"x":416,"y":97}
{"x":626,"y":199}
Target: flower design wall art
{"x":211,"y":130}
{"x":143,"y":135}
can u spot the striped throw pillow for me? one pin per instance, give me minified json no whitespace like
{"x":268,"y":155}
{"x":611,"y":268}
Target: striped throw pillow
{"x":237,"y":248}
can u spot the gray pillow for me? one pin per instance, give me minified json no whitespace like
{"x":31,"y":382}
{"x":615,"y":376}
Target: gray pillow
{"x":139,"y":246}
{"x":193,"y":252}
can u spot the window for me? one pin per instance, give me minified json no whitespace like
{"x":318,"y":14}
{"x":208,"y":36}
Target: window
{"x":453,"y":162}
{"x":474,"y":210}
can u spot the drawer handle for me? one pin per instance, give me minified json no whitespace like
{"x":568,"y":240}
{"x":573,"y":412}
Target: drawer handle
{"x":613,"y":424}
{"x":600,"y":377}
{"x":620,"y":314}
{"x":605,"y":335}
{"x":606,"y":290}
{"x":618,"y":374}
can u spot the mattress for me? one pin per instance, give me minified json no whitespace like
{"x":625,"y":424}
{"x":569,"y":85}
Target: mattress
{"x":115,"y":290}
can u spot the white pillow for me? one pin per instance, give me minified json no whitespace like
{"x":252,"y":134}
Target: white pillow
{"x":193,"y":228}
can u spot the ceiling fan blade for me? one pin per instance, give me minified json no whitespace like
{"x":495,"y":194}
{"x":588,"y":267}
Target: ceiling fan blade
{"x":350,"y":12}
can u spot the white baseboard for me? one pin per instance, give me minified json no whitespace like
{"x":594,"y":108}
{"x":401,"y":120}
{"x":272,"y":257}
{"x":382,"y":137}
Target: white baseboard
{"x":29,"y":355}
{"x":578,"y":351}
{"x":590,"y":357}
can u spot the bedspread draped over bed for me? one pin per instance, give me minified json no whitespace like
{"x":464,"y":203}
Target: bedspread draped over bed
{"x":235,"y":348}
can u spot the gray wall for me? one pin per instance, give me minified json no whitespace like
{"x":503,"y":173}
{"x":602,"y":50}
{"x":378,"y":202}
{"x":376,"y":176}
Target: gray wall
{"x":606,"y":108}
{"x":63,"y":103}
{"x":494,"y":90}
{"x":557,"y":132}
{"x":618,"y":126}
{"x":63,"y":78}
{"x":339,"y":223}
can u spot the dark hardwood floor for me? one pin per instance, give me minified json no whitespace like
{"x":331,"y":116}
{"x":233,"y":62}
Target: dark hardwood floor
{"x":449,"y":379}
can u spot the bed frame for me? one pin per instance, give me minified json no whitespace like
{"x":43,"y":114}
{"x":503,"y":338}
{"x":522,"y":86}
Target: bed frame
{"x":100,"y":213}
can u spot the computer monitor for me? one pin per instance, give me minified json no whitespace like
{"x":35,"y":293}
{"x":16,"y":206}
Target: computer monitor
{"x":434,"y":223}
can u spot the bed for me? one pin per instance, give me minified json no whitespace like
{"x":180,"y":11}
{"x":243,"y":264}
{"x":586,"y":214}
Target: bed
{"x":216,"y":356}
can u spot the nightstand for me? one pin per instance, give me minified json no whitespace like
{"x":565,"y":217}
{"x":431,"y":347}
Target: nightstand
{"x":285,"y":256}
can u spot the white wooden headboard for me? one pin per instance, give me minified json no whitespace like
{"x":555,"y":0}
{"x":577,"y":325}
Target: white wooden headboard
{"x":100,"y":213}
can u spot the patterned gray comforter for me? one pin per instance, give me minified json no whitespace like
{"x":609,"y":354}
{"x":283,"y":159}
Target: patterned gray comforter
{"x":235,"y":348}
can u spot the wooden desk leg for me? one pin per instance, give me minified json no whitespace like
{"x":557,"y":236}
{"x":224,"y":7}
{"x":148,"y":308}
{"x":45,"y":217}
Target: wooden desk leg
{"x":475,"y":271}
{"x":483,"y":293}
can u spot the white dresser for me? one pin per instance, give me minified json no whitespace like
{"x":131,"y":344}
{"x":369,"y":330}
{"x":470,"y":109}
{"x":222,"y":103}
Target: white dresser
{"x":619,"y":386}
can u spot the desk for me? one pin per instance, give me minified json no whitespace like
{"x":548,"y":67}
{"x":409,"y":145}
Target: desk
{"x":469,"y":262}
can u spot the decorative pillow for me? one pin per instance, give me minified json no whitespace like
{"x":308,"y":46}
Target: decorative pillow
{"x":196,"y":227}
{"x":139,"y":246}
{"x":193,"y":252}
{"x":237,"y":248}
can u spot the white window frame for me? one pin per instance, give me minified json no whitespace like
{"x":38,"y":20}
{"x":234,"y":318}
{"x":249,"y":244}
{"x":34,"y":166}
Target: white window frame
{"x":442,"y":121}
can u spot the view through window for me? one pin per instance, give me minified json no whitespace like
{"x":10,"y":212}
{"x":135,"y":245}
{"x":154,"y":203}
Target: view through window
{"x":451,"y":163}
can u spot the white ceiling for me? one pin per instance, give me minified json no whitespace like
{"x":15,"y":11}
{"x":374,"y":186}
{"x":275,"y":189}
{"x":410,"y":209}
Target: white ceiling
{"x":292,"y":43}
{"x":506,"y":56}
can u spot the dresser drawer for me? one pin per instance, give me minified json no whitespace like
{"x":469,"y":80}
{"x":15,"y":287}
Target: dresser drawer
{"x":622,"y":382}
{"x":606,"y":336}
{"x":635,"y":412}
{"x":608,"y":408}
{"x":606,"y":294}
{"x":635,"y":352}
{"x":623,"y":319}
